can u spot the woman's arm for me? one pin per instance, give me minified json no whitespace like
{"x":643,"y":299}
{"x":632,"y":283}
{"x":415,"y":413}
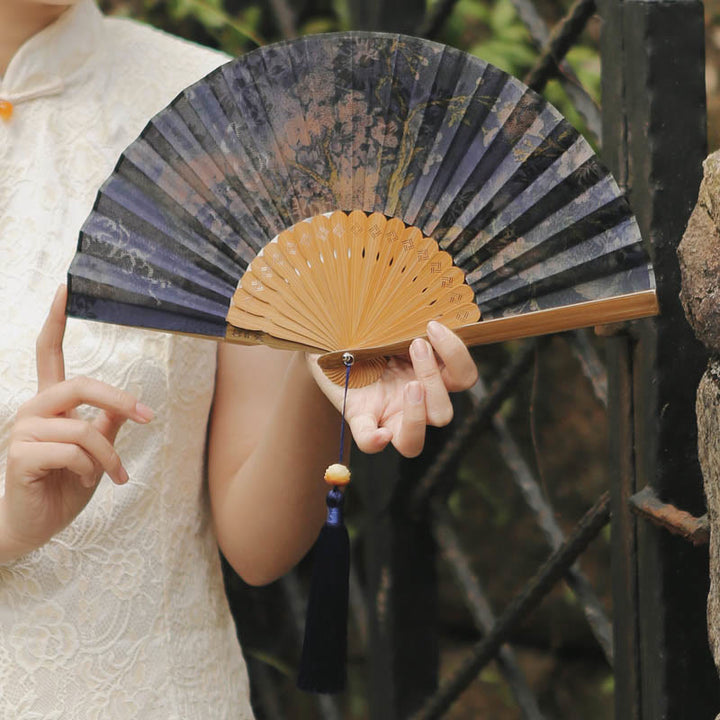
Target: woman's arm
{"x":273,"y":432}
{"x":272,"y":435}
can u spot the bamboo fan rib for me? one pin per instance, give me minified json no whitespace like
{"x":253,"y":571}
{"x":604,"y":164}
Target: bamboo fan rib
{"x":351,"y":281}
{"x":453,"y":151}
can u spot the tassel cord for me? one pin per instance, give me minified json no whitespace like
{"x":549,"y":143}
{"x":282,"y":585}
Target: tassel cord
{"x":335,"y":497}
{"x":348,"y":361}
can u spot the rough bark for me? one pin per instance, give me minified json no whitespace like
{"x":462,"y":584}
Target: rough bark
{"x":708,"y":418}
{"x":699,"y":255}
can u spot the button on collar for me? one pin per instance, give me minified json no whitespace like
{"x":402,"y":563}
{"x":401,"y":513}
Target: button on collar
{"x":6,"y":110}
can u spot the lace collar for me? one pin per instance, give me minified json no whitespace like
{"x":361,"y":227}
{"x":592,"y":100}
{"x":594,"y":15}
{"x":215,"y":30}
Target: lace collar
{"x":55,"y":57}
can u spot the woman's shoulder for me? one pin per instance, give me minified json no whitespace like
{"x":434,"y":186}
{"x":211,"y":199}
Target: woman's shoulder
{"x":142,"y":69}
{"x":136,"y":46}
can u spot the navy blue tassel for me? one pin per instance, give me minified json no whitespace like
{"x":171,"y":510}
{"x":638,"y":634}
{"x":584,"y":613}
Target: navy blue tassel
{"x":324,"y":654}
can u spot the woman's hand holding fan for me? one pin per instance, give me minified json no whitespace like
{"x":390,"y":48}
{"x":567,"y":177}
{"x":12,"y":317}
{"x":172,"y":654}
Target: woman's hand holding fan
{"x":411,"y":393}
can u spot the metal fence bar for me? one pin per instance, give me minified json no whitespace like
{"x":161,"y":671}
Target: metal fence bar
{"x":564,"y":36}
{"x":623,"y":537}
{"x":591,"y":364}
{"x":481,"y":415}
{"x":533,"y":21}
{"x":648,"y":505}
{"x":432,"y":24}
{"x":358,"y":606}
{"x":547,"y":576}
{"x":579,"y":97}
{"x":435,"y":19}
{"x":285,"y":18}
{"x":266,"y":687}
{"x":535,"y":498}
{"x":480,"y":609}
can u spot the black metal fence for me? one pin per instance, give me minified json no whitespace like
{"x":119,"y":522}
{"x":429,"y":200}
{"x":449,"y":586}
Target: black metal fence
{"x":652,"y":131}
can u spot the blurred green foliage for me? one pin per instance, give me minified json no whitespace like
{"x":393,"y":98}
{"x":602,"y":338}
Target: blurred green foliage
{"x":490,"y":29}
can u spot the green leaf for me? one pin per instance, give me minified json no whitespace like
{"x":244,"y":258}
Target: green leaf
{"x":315,"y":26}
{"x":585,"y":61}
{"x":514,"y":59}
{"x":468,"y":21}
{"x":214,"y":18}
{"x":503,"y":16}
{"x":272,"y":660}
{"x":342,"y":10}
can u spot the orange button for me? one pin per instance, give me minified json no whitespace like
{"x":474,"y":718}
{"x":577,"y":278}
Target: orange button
{"x":6,"y":109}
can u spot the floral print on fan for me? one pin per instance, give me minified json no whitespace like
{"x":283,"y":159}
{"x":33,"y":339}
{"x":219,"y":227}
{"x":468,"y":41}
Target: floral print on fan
{"x":365,"y":121}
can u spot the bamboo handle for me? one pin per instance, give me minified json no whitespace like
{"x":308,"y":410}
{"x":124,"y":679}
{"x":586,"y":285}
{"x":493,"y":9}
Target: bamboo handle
{"x":541,"y":322}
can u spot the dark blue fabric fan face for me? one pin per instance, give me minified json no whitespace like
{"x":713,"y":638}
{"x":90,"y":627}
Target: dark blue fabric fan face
{"x":381,"y":123}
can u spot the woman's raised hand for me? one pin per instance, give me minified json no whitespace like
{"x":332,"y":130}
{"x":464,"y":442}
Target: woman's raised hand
{"x":411,"y":393}
{"x":55,"y":459}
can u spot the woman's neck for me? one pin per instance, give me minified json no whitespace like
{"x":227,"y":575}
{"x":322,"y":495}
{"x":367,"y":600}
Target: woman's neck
{"x":19,"y":21}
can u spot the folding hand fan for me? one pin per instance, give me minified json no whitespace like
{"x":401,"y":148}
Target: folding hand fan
{"x":337,"y":192}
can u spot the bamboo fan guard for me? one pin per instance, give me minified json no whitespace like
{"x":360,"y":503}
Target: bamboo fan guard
{"x":336,"y":192}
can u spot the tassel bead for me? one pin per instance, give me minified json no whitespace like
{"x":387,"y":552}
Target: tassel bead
{"x":337,"y":474}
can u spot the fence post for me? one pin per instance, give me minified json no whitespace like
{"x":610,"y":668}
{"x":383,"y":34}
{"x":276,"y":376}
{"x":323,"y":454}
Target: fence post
{"x":654,"y":141}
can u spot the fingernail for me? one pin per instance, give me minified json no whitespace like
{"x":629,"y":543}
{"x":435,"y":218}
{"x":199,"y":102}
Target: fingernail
{"x":419,"y":349}
{"x":414,"y":391}
{"x":143,"y":412}
{"x":124,"y":477}
{"x":436,"y":330}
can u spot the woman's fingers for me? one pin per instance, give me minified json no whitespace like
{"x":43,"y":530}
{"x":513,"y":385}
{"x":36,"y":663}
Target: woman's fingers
{"x":109,"y":424}
{"x":56,"y":397}
{"x":35,"y":460}
{"x":49,"y":353}
{"x":438,"y":408}
{"x":367,"y":435}
{"x":459,"y":371}
{"x":410,"y":437}
{"x":406,"y":429}
{"x":73,"y":432}
{"x":384,"y":415}
{"x":62,"y":397}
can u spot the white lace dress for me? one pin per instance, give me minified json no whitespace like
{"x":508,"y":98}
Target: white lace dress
{"x":122,"y":615}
